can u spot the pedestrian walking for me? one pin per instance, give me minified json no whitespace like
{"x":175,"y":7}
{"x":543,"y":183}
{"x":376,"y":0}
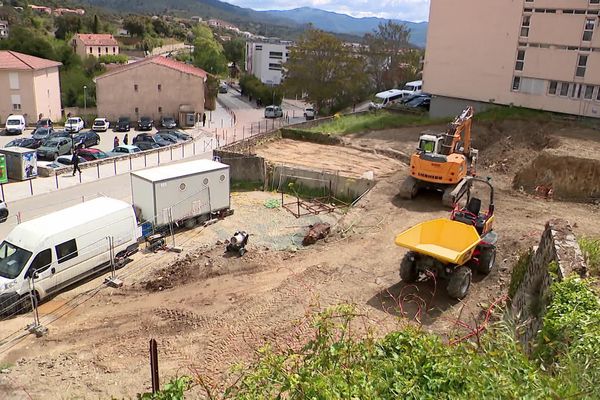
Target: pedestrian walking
{"x":75,"y":161}
{"x":125,"y":140}
{"x":203,"y":119}
{"x":116,"y":141}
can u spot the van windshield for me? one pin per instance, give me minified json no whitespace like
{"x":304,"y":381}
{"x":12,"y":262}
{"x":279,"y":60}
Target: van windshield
{"x":13,"y":122}
{"x":12,"y":260}
{"x":410,"y":88}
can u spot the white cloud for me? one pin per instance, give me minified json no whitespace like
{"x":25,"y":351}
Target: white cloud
{"x":409,"y":10}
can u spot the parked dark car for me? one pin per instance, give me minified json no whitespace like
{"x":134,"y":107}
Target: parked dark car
{"x":168,"y":122}
{"x":182,"y":136}
{"x":44,"y":123}
{"x":64,"y":134}
{"x":167,"y":136}
{"x":148,"y":137}
{"x":123,"y":125}
{"x":41,"y":134}
{"x":53,"y":147}
{"x":147,"y":145}
{"x":92,"y":154}
{"x":28,"y":143}
{"x":87,"y":139}
{"x":419,"y":102}
{"x":145,"y":124}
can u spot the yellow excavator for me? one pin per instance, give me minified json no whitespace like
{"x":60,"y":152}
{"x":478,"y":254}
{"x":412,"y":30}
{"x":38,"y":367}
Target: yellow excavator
{"x":443,"y":161}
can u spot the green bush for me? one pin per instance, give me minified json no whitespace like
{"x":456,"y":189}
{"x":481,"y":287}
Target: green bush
{"x":268,"y":95}
{"x":591,"y":253}
{"x":174,"y":390}
{"x":113,"y":59}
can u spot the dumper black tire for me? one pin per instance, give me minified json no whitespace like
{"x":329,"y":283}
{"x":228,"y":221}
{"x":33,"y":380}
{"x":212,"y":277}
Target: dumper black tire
{"x":487,"y":259}
{"x":408,"y":267}
{"x":459,"y":283}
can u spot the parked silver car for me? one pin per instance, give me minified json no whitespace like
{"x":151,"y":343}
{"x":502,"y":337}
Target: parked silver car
{"x":53,"y":147}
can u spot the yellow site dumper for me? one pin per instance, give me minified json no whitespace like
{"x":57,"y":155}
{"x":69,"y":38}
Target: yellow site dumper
{"x":451,"y":248}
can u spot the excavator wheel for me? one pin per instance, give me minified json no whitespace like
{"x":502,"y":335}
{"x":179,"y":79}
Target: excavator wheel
{"x":449,"y":197}
{"x":409,"y":188}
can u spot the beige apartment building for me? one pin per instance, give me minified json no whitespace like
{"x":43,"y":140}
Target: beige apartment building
{"x":29,"y":86}
{"x":153,"y":87}
{"x":90,"y":44}
{"x":542,"y":54}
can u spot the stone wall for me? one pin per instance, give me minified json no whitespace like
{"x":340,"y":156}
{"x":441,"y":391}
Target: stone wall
{"x":558,"y":246}
{"x":243,"y":167}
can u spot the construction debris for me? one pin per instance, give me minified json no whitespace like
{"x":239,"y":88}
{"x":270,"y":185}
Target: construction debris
{"x":317,"y":232}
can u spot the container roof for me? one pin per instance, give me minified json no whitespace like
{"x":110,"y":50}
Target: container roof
{"x":167,"y":172}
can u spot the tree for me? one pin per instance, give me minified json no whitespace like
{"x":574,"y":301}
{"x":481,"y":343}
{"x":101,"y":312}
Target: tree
{"x":387,"y":50}
{"x":66,"y":25}
{"x":330,"y":74}
{"x":96,"y":25}
{"x":235,"y":51}
{"x":208,"y":53}
{"x":136,"y":25}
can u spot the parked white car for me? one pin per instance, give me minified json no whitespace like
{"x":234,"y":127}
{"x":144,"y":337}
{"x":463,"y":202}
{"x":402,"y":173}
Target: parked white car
{"x":74,"y":124}
{"x":273,"y":112}
{"x":100,"y":125}
{"x":412,"y":88}
{"x":15,"y":125}
{"x":309,"y":113}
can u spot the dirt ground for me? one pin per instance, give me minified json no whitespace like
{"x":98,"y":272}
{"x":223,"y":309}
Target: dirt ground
{"x":345,"y":160}
{"x":209,"y":311}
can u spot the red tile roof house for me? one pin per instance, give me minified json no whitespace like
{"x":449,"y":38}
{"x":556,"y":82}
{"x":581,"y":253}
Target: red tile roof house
{"x":94,"y":44}
{"x":29,"y":86}
{"x":153,"y":87}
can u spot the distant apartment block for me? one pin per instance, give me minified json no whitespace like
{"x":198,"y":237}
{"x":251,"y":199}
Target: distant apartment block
{"x":541,"y":54}
{"x":3,"y":29}
{"x":29,"y":86}
{"x":89,"y":44}
{"x":265,"y":60}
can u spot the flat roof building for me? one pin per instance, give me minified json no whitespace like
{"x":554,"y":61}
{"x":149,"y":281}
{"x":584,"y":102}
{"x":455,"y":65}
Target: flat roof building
{"x":540,"y":54}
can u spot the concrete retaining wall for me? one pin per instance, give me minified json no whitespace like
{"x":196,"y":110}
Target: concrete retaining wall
{"x":342,"y":187}
{"x":558,"y":246}
{"x":243,"y":167}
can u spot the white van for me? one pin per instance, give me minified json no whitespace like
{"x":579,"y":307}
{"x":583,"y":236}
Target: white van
{"x":63,"y":248}
{"x":412,"y":88}
{"x":15,"y":125}
{"x":385,"y":99}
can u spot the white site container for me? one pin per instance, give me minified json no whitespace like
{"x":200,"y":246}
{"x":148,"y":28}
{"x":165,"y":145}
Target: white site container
{"x":180,"y":192}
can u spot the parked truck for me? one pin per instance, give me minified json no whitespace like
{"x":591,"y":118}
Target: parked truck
{"x":64,"y":247}
{"x":186,"y":193}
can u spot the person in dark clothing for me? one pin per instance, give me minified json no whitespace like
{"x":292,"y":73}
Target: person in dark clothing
{"x":203,"y":119}
{"x":75,"y":161}
{"x":116,"y":142}
{"x":125,"y":139}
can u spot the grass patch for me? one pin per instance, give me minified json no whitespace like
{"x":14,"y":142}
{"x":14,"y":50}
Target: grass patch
{"x":246,"y":186}
{"x":374,"y":121}
{"x":591,"y":253}
{"x":516,"y":113}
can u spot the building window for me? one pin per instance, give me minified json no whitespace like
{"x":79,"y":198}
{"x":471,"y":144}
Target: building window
{"x":16,"y":107}
{"x":594,"y":1}
{"x":579,"y":11}
{"x":576,"y":91}
{"x":516,"y":83}
{"x":278,"y":55}
{"x":66,"y":251}
{"x":589,"y":92}
{"x":525,"y":25}
{"x":564,"y":89}
{"x":552,"y":87}
{"x":159,"y":109}
{"x":135,"y":87}
{"x":13,"y":79}
{"x":581,"y":64}
{"x":275,"y":67}
{"x":137,"y":110}
{"x":258,"y":47}
{"x":520,"y":60}
{"x":588,"y":31}
{"x":598,"y":95}
{"x":106,"y":50}
{"x":528,"y":1}
{"x":91,"y":50}
{"x":114,"y":50}
{"x":159,"y":87}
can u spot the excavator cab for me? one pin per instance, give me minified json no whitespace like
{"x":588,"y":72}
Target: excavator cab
{"x":429,"y":144}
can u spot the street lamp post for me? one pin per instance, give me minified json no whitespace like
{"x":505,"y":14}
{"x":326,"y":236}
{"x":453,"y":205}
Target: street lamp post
{"x":84,"y":100}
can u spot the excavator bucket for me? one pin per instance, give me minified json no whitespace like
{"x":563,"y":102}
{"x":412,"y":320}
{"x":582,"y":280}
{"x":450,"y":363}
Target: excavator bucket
{"x":443,"y":239}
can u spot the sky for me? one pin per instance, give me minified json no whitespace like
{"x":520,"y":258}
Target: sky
{"x":408,"y":10}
